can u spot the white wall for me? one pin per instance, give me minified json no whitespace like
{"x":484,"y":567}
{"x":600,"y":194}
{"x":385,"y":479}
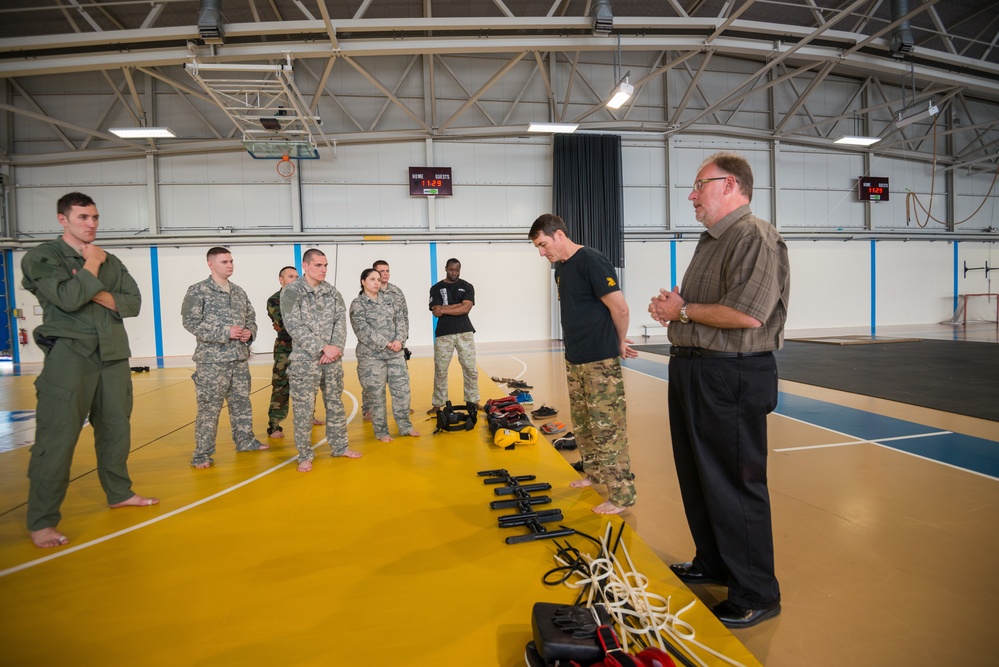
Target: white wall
{"x":511,"y":283}
{"x":831,"y":284}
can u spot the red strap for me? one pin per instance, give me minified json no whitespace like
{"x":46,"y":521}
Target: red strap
{"x":614,"y":655}
{"x":655,"y":657}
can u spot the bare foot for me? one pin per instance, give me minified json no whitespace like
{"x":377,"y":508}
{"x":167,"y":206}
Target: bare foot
{"x":203,"y":465}
{"x":264,"y":445}
{"x":305,"y":466}
{"x":276,"y":434}
{"x":367,"y":416}
{"x":607,"y":507}
{"x":350,"y":454}
{"x":413,"y":433}
{"x":580,"y":483}
{"x":317,"y":422}
{"x":136,"y":501}
{"x":385,"y":438}
{"x":46,"y":538}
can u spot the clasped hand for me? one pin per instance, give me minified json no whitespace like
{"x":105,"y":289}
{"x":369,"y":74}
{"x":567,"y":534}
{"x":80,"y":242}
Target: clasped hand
{"x":239,"y":333}
{"x":330,"y":354}
{"x":665,"y":306}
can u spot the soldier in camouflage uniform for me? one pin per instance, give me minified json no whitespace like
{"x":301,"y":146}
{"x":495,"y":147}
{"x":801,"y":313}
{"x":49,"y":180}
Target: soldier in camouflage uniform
{"x":594,"y":326}
{"x":380,"y":360}
{"x":314,"y":314}
{"x":220,"y":316}
{"x":398,"y":299}
{"x":282,"y":348}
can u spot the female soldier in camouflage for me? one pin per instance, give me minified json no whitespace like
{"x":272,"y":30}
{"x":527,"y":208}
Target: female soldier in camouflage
{"x":380,"y":360}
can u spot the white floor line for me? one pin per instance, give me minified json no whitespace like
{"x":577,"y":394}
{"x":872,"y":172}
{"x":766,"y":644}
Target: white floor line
{"x":179,"y":510}
{"x":943,"y":463}
{"x":523,"y":367}
{"x":864,"y":442}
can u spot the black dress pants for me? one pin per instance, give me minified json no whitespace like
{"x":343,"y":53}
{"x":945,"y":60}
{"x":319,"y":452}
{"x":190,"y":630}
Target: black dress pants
{"x":718,"y":419}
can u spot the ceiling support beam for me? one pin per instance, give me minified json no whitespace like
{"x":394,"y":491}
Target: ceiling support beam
{"x":385,"y":91}
{"x":694,"y":86}
{"x":803,"y":97}
{"x":482,"y":91}
{"x":464,"y":88}
{"x":330,"y":30}
{"x":62,"y":123}
{"x":43,"y":116}
{"x":395,"y":90}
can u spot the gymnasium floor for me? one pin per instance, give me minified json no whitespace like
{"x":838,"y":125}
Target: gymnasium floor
{"x":886,"y":555}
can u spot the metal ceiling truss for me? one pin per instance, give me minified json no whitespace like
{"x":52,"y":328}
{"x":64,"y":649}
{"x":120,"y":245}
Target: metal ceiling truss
{"x":553,"y":54}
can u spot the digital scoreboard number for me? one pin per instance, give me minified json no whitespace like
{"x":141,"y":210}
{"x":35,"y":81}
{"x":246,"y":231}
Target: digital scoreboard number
{"x":430,"y":181}
{"x":872,"y":188}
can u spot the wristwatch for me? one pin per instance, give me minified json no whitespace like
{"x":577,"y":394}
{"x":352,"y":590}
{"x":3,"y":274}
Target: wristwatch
{"x":683,"y":314}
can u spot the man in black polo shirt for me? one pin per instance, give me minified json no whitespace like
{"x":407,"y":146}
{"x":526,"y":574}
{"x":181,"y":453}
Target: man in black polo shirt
{"x":451,"y":300}
{"x":594,"y":329}
{"x":724,"y":323}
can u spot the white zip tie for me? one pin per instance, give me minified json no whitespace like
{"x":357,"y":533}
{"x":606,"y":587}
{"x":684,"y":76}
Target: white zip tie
{"x":623,"y":588}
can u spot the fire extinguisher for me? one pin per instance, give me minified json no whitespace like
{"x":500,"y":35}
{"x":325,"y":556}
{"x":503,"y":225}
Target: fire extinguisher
{"x":22,"y":336}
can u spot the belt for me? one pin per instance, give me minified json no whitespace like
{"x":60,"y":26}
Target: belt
{"x":698,"y":353}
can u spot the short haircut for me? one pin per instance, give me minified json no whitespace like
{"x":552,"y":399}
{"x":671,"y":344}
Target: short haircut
{"x":68,"y":201}
{"x":283,"y":269}
{"x":217,"y":250}
{"x":547,"y":224}
{"x":378,"y":263}
{"x":736,"y":165}
{"x":310,"y":253}
{"x":452,"y":261}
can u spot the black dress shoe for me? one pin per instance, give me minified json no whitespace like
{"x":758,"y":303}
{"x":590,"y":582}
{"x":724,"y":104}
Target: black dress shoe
{"x":688,"y":573}
{"x":578,"y":466}
{"x":733,"y":616}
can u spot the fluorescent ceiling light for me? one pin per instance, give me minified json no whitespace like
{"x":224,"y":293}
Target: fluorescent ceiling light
{"x":622,"y":93}
{"x":850,"y":140}
{"x":143,"y":132}
{"x":554,"y":128}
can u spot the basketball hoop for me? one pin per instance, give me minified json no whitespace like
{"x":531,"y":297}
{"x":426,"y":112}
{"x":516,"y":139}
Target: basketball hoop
{"x":286,"y":168}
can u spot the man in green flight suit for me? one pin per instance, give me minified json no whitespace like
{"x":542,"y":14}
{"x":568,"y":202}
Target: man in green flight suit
{"x":84,"y":293}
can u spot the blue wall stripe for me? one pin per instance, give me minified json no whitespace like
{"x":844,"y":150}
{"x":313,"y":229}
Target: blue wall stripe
{"x":298,"y":258}
{"x":874,"y":287}
{"x":15,"y":341}
{"x":953,"y":307}
{"x":433,"y":281}
{"x":154,"y":269}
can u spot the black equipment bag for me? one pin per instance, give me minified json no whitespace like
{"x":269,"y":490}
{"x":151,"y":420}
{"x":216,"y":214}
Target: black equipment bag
{"x":461,"y":418}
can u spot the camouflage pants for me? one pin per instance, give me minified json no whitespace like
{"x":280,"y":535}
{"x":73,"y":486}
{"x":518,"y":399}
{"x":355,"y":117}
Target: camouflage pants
{"x":280,"y":391}
{"x":444,"y":347}
{"x":307,"y":378}
{"x":597,"y":406}
{"x":374,"y":375}
{"x":215,"y":384}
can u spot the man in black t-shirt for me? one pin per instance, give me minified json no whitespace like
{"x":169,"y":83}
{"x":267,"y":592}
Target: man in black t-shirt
{"x":450,"y":301}
{"x":594,"y":330}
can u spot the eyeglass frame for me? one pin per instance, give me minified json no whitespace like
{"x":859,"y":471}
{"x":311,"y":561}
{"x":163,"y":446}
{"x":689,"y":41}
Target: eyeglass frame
{"x":699,"y":183}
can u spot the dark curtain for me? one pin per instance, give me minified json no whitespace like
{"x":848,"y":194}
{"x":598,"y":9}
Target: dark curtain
{"x":587,"y":191}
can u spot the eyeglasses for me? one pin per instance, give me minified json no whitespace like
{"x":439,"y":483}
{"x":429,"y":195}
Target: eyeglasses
{"x":700,"y":183}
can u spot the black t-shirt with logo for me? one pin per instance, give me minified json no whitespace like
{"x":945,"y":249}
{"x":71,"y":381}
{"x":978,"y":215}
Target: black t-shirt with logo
{"x":587,"y":327}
